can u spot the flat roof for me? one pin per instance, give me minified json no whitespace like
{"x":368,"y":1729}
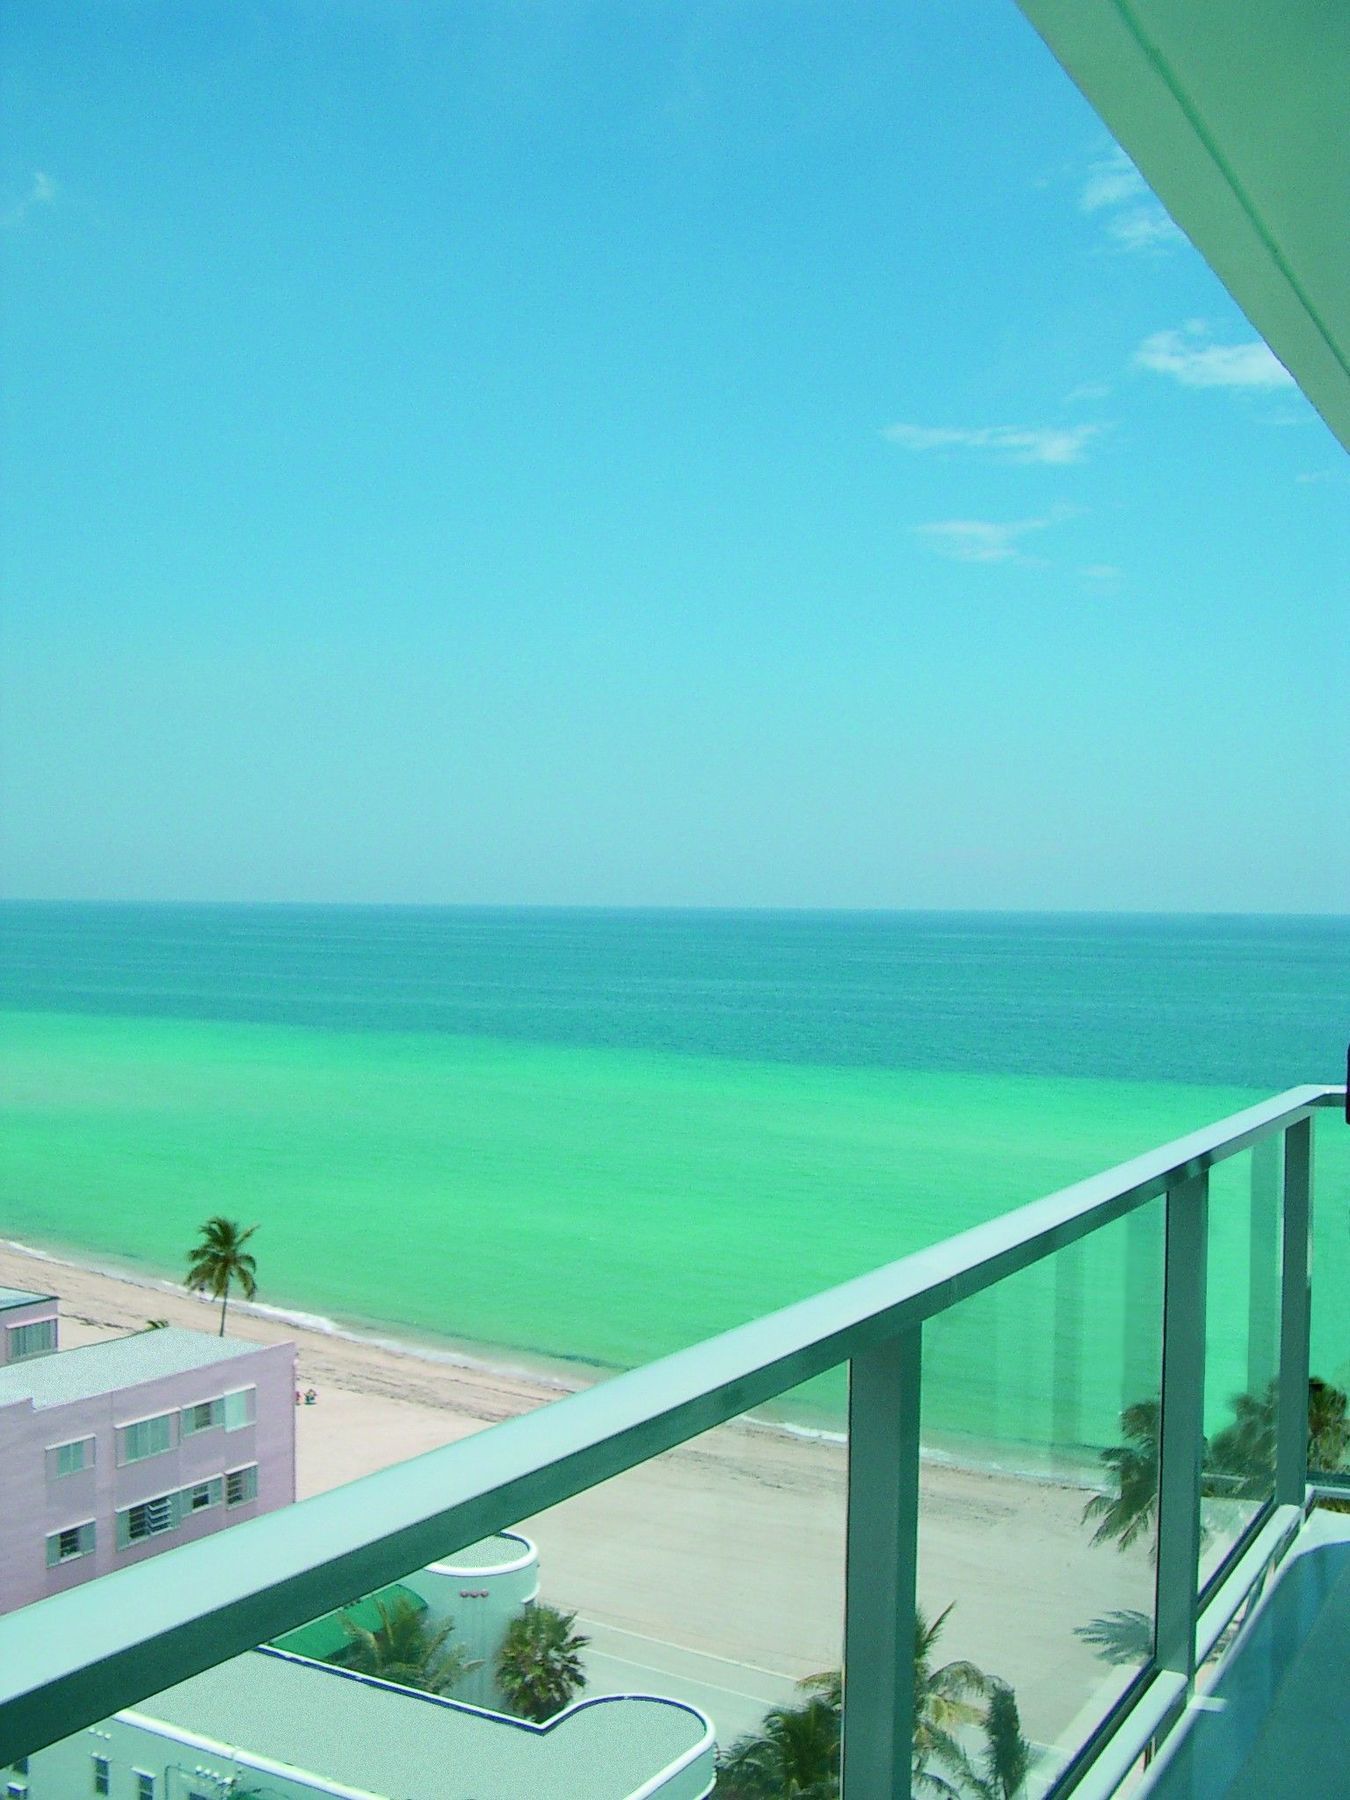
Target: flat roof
{"x":21,"y":1297}
{"x":500,"y":1552}
{"x":364,"y":1734}
{"x":66,"y":1375}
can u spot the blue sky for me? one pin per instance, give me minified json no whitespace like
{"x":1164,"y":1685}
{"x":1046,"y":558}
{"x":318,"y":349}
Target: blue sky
{"x":739,"y":453}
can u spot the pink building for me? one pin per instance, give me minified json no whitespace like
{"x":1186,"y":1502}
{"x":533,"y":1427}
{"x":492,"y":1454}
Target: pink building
{"x":27,"y":1325}
{"x":115,"y":1451}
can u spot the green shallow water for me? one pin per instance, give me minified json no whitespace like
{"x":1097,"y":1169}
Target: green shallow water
{"x":578,"y":1204}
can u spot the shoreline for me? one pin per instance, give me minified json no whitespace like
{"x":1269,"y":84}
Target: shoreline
{"x":731,"y":1544}
{"x":299,"y":1319}
{"x":550,"y":1385}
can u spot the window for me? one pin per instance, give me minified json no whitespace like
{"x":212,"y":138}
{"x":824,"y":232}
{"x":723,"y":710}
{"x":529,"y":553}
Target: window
{"x":240,"y":1408}
{"x":204,"y":1494}
{"x":69,"y":1459}
{"x":147,"y":1437}
{"x":101,"y":1770}
{"x":205,"y":1416}
{"x":145,"y":1785}
{"x":241,"y":1485}
{"x":20,"y":1765}
{"x":148,"y":1519}
{"x":65,"y":1546}
{"x":32,"y":1340}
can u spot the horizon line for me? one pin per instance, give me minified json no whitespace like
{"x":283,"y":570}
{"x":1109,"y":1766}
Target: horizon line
{"x":666,"y":907}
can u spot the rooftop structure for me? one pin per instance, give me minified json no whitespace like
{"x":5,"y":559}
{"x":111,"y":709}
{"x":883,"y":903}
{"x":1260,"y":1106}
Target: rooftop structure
{"x":117,"y":1450}
{"x":480,"y":1590}
{"x":277,"y":1722}
{"x":114,"y":1364}
{"x":28,"y":1325}
{"x":324,"y":1639}
{"x":22,"y":1297}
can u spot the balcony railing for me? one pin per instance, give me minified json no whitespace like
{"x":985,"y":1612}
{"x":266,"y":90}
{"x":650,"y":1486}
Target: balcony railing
{"x":79,"y":1657}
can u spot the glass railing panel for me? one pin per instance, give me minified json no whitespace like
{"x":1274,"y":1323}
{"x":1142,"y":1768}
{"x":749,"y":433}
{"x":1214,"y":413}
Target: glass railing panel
{"x":1242,"y":1347}
{"x":1038,"y":1506}
{"x":1328,"y":1408}
{"x":713,"y":1575}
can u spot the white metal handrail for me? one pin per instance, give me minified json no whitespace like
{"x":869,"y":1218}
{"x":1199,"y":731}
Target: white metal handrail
{"x":78,"y":1657}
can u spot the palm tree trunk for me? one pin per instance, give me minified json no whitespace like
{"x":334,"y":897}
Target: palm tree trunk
{"x":224,"y":1302}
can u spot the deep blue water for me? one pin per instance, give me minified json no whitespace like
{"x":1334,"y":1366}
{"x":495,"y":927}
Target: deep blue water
{"x":1261,"y":1001}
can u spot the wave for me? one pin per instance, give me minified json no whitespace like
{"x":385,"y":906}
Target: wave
{"x":319,"y":1323}
{"x":973,"y":1461}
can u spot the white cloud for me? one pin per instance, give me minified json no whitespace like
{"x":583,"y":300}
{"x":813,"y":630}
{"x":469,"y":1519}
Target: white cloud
{"x":1111,"y":180}
{"x":1134,"y":220}
{"x":1088,"y":390}
{"x":41,"y":192}
{"x":1188,"y":358}
{"x":1012,"y":443}
{"x":1102,"y":572}
{"x":980,"y":540}
{"x":1142,"y":228}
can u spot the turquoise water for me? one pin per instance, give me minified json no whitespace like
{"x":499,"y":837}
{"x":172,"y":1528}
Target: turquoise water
{"x":593,"y":1137}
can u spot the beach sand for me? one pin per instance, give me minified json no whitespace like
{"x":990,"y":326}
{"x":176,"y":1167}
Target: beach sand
{"x":732,"y":1545}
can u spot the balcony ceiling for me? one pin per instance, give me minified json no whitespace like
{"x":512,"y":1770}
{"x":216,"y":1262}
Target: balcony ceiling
{"x":1236,"y":115}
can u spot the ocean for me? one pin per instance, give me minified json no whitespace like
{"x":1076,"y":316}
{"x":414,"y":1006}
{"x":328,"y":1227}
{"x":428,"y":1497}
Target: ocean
{"x":580,"y":1139}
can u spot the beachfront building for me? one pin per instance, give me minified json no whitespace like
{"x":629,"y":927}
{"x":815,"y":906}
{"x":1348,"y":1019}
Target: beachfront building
{"x":114,"y":1451}
{"x":479,"y":1590}
{"x":277,"y":1725}
{"x":482,"y":1588}
{"x":28,"y":1325}
{"x":285,"y":1722}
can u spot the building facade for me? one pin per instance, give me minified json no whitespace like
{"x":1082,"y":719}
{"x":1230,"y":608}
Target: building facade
{"x":115,"y":1451}
{"x":482,"y":1588}
{"x":28,"y":1325}
{"x":279,"y":1727}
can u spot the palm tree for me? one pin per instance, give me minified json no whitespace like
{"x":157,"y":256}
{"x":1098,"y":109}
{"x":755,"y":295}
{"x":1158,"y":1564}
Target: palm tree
{"x":1132,"y":1509}
{"x":1123,"y":1636}
{"x":219,"y":1259}
{"x":1239,"y":1461}
{"x":944,"y":1705}
{"x":405,"y":1649}
{"x":794,"y":1753}
{"x":539,"y":1667}
{"x":1328,"y":1426}
{"x":1242,"y":1456}
{"x":1007,"y":1754}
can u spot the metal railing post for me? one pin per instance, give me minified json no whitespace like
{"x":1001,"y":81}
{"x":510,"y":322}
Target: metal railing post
{"x":1141,"y":1351}
{"x":881,"y":1568}
{"x":1182,"y":1428}
{"x":1291,"y":1419}
{"x":1263,"y":1306}
{"x":1066,"y":1378}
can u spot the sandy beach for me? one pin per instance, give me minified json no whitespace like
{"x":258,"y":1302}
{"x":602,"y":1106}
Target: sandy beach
{"x":732,"y":1545}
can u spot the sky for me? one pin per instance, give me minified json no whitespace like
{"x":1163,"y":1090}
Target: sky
{"x":757,"y":454}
